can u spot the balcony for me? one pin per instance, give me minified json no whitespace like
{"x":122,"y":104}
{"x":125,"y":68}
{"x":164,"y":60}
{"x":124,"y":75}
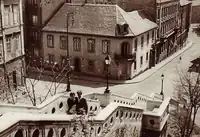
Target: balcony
{"x":129,"y":57}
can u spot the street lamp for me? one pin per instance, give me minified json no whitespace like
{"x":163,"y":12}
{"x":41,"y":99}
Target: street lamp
{"x":107,"y":62}
{"x":67,"y":43}
{"x":161,"y":93}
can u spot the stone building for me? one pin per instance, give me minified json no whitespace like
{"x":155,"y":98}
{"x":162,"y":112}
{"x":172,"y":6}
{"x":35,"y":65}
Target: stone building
{"x":36,"y":14}
{"x":11,"y":43}
{"x":92,"y":28}
{"x":184,"y":21}
{"x":195,"y":11}
{"x":165,"y":14}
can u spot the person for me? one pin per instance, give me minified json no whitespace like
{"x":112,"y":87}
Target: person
{"x":81,"y":106}
{"x":71,"y":104}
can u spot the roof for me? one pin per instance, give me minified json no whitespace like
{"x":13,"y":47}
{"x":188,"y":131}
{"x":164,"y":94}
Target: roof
{"x":97,"y":19}
{"x":184,"y":2}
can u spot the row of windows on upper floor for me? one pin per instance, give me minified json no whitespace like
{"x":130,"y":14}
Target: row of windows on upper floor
{"x":12,"y":44}
{"x":11,"y":15}
{"x":166,"y":11}
{"x":168,"y":25}
{"x":91,"y":43}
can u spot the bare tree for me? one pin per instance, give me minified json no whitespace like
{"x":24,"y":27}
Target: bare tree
{"x":6,"y":93}
{"x":187,"y":88}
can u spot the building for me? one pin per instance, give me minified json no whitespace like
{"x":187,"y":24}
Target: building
{"x":36,"y":14}
{"x":110,"y":115}
{"x":11,"y":43}
{"x":166,"y":14}
{"x":195,"y":11}
{"x":113,"y":30}
{"x":184,"y":21}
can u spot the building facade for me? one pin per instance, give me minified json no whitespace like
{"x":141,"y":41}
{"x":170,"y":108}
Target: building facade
{"x":11,"y":43}
{"x":166,"y":14}
{"x":113,"y":32}
{"x":36,"y":14}
{"x":184,"y":21}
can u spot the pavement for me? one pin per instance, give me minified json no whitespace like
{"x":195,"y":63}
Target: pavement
{"x":143,"y":76}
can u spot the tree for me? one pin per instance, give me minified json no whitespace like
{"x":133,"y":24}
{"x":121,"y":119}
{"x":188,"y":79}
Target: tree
{"x":36,"y":69}
{"x":187,"y":89}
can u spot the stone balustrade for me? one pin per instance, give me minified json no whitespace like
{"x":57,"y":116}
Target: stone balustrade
{"x":110,"y":112}
{"x":56,"y":104}
{"x":156,"y":115}
{"x":59,"y":125}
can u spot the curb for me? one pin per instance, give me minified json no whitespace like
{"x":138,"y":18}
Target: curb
{"x":135,"y":82}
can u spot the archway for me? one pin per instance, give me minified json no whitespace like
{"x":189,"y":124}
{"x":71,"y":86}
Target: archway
{"x":63,"y":132}
{"x":36,"y":133}
{"x":19,"y":133}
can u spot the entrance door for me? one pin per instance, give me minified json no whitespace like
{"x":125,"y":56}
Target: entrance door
{"x":77,"y":64}
{"x":14,"y":80}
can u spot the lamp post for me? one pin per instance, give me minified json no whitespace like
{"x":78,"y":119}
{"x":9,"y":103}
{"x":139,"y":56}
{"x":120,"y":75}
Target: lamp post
{"x":161,"y":93}
{"x":107,"y":62}
{"x":68,"y":59}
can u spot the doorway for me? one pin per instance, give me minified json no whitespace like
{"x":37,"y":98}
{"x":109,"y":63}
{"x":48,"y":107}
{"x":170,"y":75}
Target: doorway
{"x":77,"y":65}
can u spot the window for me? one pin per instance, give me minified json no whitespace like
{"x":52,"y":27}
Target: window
{"x":147,"y":56}
{"x":142,"y":41}
{"x":50,"y":41}
{"x":63,"y":42}
{"x":63,"y":61}
{"x":147,"y":37}
{"x":91,"y":45}
{"x":125,"y":49}
{"x":106,"y":46}
{"x":51,"y":58}
{"x":16,"y":42}
{"x":6,"y":15}
{"x":15,"y":14}
{"x":8,"y":44}
{"x":152,"y":34}
{"x":1,"y":50}
{"x":34,"y":19}
{"x":136,"y":42}
{"x":141,"y":60}
{"x":91,"y":65}
{"x":77,"y":43}
{"x":34,"y":36}
{"x":135,"y":65}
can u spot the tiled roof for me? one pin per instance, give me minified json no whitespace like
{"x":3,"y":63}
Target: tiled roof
{"x":97,"y":19}
{"x":138,"y":23}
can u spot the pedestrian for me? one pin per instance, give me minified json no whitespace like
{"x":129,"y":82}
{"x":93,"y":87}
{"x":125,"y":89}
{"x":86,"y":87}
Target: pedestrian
{"x":180,"y":58}
{"x":72,"y":101}
{"x":81,"y":106}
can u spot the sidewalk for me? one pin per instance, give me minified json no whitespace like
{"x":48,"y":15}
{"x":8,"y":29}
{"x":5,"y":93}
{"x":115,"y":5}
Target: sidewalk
{"x":140,"y":77}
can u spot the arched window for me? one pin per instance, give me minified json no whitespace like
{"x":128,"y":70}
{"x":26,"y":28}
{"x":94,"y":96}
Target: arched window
{"x":63,"y":132}
{"x":19,"y":133}
{"x":36,"y":133}
{"x":125,"y":49}
{"x":50,"y":133}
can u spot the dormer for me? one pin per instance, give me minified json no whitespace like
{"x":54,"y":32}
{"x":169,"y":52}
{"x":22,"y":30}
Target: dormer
{"x":122,"y":29}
